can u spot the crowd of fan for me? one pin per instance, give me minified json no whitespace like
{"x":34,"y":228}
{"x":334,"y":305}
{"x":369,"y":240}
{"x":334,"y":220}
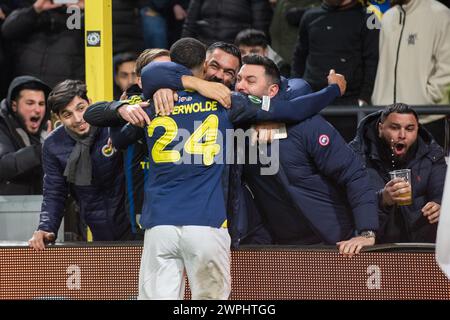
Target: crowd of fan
{"x":405,"y":59}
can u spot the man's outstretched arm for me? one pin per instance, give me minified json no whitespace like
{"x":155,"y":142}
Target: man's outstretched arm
{"x":245,"y":111}
{"x":176,"y":77}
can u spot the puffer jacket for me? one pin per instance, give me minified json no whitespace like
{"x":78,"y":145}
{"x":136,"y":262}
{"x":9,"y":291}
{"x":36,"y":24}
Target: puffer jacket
{"x":221,"y":20}
{"x":102,"y":204}
{"x":428,"y":168}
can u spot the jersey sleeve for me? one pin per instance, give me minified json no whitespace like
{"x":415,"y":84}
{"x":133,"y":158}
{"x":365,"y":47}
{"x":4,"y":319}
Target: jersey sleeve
{"x":104,"y":114}
{"x":122,"y":137}
{"x":247,"y":109}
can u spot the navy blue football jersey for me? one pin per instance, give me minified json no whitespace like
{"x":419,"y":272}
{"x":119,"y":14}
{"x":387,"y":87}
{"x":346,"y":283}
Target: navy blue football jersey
{"x":184,"y":181}
{"x":187,"y":151}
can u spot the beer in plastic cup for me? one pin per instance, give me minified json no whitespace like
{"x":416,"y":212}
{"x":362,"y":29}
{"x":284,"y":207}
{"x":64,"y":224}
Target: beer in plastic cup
{"x":405,"y":174}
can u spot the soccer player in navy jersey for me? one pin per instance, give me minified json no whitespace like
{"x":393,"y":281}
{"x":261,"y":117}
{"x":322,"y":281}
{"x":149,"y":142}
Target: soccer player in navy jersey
{"x":184,"y":210}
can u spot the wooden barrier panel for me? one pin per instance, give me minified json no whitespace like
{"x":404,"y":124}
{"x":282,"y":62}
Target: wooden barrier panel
{"x":111,"y":272}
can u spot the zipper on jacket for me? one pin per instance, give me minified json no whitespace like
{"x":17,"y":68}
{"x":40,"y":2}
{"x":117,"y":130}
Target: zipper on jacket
{"x":402,"y":14}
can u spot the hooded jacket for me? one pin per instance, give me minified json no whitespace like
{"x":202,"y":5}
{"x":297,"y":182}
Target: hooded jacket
{"x":20,"y":152}
{"x":428,"y":168}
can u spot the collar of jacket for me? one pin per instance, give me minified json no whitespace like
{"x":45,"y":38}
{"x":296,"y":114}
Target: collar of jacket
{"x":411,"y":5}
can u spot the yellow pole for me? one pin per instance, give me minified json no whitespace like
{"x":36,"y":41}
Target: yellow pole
{"x":98,"y":46}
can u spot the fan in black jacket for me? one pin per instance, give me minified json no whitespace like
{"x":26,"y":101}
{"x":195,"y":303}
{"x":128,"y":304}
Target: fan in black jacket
{"x":23,"y":121}
{"x":337,"y":37}
{"x":413,"y":147}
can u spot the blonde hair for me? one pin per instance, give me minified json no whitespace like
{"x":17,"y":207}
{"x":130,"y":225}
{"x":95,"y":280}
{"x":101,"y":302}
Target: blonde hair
{"x":147,"y":56}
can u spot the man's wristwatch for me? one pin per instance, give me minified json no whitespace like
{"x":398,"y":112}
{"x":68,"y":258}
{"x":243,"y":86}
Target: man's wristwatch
{"x":367,"y":234}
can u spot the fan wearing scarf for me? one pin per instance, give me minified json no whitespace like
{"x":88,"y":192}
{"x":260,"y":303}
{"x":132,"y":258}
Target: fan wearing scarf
{"x":78,"y":159}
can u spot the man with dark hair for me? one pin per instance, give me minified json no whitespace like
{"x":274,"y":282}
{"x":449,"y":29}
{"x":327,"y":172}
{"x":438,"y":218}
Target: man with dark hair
{"x":135,"y":156}
{"x":190,"y":53}
{"x":393,"y":139}
{"x":252,"y":41}
{"x":77,"y":159}
{"x":271,"y":71}
{"x":24,"y":124}
{"x":222,"y":63}
{"x":124,"y":72}
{"x":183,"y":226}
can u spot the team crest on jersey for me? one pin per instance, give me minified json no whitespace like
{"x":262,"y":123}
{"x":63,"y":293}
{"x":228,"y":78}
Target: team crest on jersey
{"x":108,"y":150}
{"x":324,"y":140}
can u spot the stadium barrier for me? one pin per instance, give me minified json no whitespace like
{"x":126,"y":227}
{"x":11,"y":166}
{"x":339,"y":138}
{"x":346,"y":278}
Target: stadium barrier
{"x":110,"y":271}
{"x":19,"y":217}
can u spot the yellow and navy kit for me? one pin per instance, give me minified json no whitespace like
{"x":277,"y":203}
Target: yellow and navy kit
{"x":184,"y":182}
{"x":185,"y":148}
{"x":184,"y":179}
{"x":181,"y":192}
